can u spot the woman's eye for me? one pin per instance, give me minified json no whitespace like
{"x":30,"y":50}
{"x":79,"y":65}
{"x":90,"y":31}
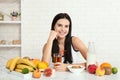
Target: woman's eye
{"x":66,"y":26}
{"x":59,"y":25}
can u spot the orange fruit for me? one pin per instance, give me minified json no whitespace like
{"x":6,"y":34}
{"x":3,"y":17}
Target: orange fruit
{"x":106,"y":64}
{"x":36,"y":61}
{"x":36,"y":74}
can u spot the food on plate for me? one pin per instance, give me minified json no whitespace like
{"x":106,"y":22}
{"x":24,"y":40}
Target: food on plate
{"x":92,"y":68}
{"x":108,"y":70}
{"x":114,"y":70}
{"x":100,"y":71}
{"x":48,"y":72}
{"x":76,"y":69}
{"x":76,"y":66}
{"x":36,"y":74}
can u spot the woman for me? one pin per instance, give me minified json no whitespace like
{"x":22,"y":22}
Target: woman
{"x":61,"y":41}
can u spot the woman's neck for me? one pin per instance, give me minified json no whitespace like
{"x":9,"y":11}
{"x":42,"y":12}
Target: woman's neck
{"x":61,"y":41}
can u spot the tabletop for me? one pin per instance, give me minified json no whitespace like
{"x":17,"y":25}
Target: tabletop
{"x":84,"y":75}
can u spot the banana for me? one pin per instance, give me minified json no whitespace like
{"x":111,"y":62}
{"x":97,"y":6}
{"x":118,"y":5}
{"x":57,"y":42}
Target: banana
{"x":22,"y":66}
{"x":13,"y":63}
{"x":9,"y":63}
{"x":18,"y":70}
{"x":27,"y":62}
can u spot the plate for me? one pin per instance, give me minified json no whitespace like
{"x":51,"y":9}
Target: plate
{"x":76,"y":69}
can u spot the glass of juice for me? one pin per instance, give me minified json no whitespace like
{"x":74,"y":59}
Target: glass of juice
{"x":57,"y":58}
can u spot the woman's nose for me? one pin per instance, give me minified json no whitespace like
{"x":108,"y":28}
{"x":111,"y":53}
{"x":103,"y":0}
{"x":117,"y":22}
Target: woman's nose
{"x":63,"y":28}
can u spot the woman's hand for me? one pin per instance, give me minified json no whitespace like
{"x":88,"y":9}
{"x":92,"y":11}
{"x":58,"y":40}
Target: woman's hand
{"x":52,"y":35}
{"x":60,"y":66}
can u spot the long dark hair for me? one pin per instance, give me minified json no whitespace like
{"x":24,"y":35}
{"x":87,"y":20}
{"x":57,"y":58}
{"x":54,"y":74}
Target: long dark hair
{"x":55,"y":48}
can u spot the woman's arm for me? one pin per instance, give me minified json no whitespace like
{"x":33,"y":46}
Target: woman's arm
{"x":63,"y":67}
{"x":48,"y":47}
{"x":79,"y":45}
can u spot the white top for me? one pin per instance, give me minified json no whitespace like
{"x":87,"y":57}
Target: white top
{"x":77,"y":57}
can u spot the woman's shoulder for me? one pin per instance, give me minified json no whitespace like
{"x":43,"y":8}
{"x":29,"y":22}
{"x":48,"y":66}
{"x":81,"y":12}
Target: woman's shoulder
{"x":74,"y":38}
{"x":75,"y":42}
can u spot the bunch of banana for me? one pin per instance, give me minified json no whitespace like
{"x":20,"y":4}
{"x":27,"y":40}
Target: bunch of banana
{"x":11,"y":63}
{"x":18,"y":70}
{"x":18,"y":64}
{"x":22,"y":66}
{"x":24,"y":63}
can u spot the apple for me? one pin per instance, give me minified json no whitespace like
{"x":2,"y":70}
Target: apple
{"x":36,"y":74}
{"x":92,"y":68}
{"x":49,"y":72}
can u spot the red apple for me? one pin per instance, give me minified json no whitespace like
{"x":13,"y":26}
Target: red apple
{"x":48,"y":72}
{"x":92,"y":68}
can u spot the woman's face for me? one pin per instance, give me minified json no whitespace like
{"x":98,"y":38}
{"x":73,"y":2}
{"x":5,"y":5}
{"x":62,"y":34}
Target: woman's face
{"x":62,"y":27}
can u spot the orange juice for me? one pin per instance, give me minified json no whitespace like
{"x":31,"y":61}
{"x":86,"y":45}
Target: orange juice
{"x":57,"y":58}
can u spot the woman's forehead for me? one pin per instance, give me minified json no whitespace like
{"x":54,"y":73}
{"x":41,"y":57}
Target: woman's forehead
{"x":64,"y":20}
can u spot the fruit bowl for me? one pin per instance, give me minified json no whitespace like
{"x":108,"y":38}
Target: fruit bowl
{"x":76,"y":69}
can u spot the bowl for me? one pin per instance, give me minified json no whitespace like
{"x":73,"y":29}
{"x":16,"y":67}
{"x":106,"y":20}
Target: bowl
{"x":76,"y":69}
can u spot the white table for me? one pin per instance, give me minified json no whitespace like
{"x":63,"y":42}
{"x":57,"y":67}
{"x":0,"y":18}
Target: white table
{"x":82,"y":76}
{"x":63,"y":76}
{"x":6,"y":75}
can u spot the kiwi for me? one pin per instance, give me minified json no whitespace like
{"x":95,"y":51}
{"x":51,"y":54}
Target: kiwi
{"x":108,"y":70}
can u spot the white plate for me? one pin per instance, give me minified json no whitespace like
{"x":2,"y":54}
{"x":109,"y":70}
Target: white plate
{"x":76,"y":70}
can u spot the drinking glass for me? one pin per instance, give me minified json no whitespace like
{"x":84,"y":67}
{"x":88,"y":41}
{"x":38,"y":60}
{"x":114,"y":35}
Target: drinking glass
{"x":57,"y":58}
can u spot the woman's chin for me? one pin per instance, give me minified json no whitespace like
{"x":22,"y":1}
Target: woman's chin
{"x":61,"y":37}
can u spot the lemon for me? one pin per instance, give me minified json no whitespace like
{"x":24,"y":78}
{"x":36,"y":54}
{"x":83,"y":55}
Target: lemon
{"x":114,"y":70}
{"x":42,"y":65}
{"x":25,"y":70}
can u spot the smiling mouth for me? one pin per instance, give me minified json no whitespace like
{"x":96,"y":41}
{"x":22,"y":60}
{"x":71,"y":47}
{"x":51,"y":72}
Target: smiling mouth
{"x":62,"y":33}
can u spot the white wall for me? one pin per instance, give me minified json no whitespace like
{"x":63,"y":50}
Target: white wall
{"x":93,"y":20}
